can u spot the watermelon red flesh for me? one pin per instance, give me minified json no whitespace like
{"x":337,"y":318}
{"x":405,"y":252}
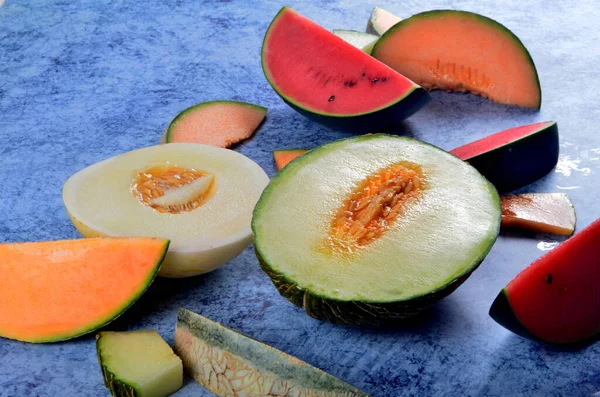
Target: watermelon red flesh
{"x":497,"y":140}
{"x":557,"y":298}
{"x":326,"y":75}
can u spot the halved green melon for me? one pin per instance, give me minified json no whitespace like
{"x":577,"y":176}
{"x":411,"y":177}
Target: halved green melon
{"x":138,"y":364}
{"x":515,"y":157}
{"x":376,"y":228}
{"x":381,"y":21}
{"x":363,"y":41}
{"x":231,"y":364}
{"x":217,"y":123}
{"x":198,"y":196}
{"x":462,"y":51}
{"x":332,"y":82}
{"x":58,"y":290}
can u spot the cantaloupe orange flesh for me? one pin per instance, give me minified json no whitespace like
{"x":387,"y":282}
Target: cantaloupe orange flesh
{"x":61,"y":289}
{"x":323,"y":73}
{"x":457,"y":51}
{"x":539,"y":212}
{"x":283,"y":157}
{"x":219,"y":123}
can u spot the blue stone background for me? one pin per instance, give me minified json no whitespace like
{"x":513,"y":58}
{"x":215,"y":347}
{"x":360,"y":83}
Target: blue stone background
{"x":81,"y":81}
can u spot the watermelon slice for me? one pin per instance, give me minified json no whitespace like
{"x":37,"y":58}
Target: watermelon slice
{"x":557,"y":298}
{"x":516,"y":157}
{"x":332,"y":82}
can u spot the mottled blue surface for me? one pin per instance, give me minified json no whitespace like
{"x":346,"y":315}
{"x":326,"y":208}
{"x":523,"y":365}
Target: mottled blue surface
{"x":81,"y":81}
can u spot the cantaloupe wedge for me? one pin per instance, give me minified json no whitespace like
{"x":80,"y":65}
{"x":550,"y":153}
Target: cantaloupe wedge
{"x":58,"y":290}
{"x":283,"y":156}
{"x":216,"y":123}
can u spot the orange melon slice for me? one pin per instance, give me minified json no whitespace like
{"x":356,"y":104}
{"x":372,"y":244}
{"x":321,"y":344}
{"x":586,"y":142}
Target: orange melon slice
{"x":216,"y":123}
{"x":58,"y":290}
{"x":462,"y":51}
{"x":539,"y":212}
{"x":284,"y":156}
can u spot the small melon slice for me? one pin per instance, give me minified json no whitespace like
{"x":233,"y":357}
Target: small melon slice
{"x":360,"y":40}
{"x":332,"y":82}
{"x":199,"y":196}
{"x":516,"y":157}
{"x":231,"y":364}
{"x":138,"y":364}
{"x":539,"y":212}
{"x":556,"y":299}
{"x":217,"y":123}
{"x":462,"y":51}
{"x":284,"y":156}
{"x":377,"y":227}
{"x":58,"y":290}
{"x":381,"y":21}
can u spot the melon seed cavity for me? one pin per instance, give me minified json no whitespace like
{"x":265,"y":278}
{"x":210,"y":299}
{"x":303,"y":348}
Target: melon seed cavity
{"x":375,"y":205}
{"x":173,"y":189}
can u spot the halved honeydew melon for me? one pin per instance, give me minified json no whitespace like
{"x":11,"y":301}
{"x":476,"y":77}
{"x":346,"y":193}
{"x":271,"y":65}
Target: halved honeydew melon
{"x":381,"y":20}
{"x":360,"y":40}
{"x":373,"y":229}
{"x":199,"y":195}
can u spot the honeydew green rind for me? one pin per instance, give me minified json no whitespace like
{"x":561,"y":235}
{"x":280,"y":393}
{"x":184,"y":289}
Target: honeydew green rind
{"x":376,"y":120}
{"x":104,"y":321}
{"x":483,"y":19}
{"x":358,"y":312}
{"x":266,"y":359}
{"x":167,"y":137}
{"x":520,"y":162}
{"x":117,"y":386}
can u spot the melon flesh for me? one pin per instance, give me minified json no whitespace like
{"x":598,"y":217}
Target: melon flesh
{"x":311,"y":67}
{"x":284,"y":156}
{"x":217,"y":123}
{"x":138,"y":363}
{"x":58,"y":290}
{"x":462,"y":51}
{"x":381,"y":21}
{"x":364,"y":41}
{"x":100,"y":201}
{"x":556,"y":299}
{"x":231,"y":364}
{"x":539,"y":212}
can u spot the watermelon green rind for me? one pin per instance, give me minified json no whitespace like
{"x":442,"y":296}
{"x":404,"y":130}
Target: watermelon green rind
{"x":361,"y":312}
{"x":502,"y":313}
{"x":167,"y":136}
{"x":520,"y":162}
{"x":377,"y":119}
{"x":488,"y":21}
{"x":104,"y":321}
{"x":266,"y":359}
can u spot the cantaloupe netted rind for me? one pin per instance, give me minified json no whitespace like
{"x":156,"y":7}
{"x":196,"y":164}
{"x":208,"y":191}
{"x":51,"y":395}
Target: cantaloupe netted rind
{"x":100,"y":202}
{"x":440,"y":237}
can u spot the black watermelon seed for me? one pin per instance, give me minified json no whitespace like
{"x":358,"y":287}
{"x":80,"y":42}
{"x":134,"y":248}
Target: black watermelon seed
{"x":364,"y":74}
{"x":549,"y":278}
{"x":331,"y":98}
{"x":383,"y":78}
{"x":375,"y":80}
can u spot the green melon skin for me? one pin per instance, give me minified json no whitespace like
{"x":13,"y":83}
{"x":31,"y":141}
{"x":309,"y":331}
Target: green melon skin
{"x":357,"y":311}
{"x":206,"y":347}
{"x":522,"y":162}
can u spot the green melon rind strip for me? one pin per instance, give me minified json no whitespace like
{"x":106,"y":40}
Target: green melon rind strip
{"x":488,"y":21}
{"x":266,"y":359}
{"x":197,"y":106}
{"x":358,"y":312}
{"x":291,"y":101}
{"x":117,"y":387}
{"x":110,"y":318}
